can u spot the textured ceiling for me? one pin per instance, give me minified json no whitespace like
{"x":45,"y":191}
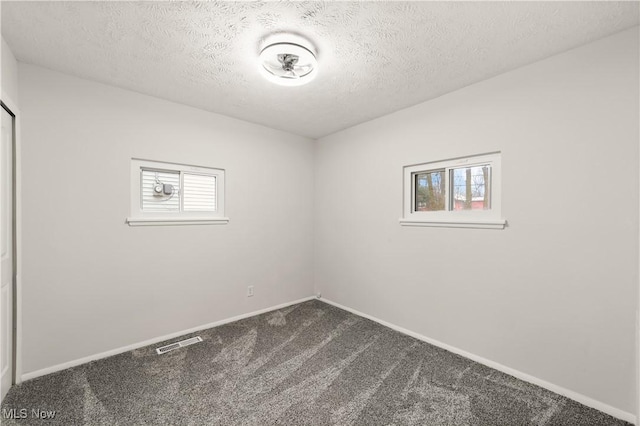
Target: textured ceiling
{"x":375,"y":57}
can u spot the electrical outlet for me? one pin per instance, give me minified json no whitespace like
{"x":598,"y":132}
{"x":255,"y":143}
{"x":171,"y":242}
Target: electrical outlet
{"x":250,"y":291}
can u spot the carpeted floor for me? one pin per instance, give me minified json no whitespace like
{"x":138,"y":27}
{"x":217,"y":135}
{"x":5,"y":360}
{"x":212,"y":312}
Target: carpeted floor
{"x":308,"y":364}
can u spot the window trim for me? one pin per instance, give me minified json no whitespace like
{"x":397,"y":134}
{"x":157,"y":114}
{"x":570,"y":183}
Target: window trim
{"x":484,"y":219}
{"x":140,"y":218}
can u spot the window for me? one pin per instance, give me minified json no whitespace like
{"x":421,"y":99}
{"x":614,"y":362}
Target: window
{"x":462,"y":192}
{"x":175,"y":194}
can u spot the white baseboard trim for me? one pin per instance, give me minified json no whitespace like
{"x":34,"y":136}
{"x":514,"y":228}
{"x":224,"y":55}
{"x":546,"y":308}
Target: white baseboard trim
{"x":84,"y":360}
{"x":582,"y":399}
{"x":638,"y":366}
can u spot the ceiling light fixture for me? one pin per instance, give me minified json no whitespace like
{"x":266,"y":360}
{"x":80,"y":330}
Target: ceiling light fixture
{"x":288,"y":60}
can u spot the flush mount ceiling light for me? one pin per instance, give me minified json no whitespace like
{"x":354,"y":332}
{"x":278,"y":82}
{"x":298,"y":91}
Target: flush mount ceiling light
{"x":288,"y":61}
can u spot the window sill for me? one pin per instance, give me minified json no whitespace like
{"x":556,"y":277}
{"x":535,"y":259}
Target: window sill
{"x":477,"y":224}
{"x":176,"y":221}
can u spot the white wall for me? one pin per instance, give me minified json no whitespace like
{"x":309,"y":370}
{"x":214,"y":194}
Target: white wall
{"x":554,"y":294}
{"x":91,"y":283}
{"x":9,"y":73}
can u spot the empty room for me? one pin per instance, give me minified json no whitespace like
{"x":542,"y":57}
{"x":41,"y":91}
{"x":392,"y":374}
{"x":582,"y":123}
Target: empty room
{"x":320,"y":213}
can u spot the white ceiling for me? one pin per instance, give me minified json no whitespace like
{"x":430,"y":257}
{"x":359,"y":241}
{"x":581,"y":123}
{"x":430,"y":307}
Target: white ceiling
{"x":375,"y":57}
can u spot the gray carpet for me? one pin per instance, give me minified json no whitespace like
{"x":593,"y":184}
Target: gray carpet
{"x":308,"y":364}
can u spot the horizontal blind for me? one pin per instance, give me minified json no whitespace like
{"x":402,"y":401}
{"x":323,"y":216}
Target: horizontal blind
{"x":199,"y":193}
{"x":164,"y":203}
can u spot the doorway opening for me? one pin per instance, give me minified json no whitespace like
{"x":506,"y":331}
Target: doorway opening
{"x":8,"y":251}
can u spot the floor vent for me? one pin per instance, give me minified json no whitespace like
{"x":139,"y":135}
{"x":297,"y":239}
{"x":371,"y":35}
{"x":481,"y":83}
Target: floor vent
{"x":181,"y":344}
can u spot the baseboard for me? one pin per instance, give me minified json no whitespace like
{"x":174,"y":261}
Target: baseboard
{"x":638,"y":365}
{"x":582,"y":399}
{"x":84,"y":360}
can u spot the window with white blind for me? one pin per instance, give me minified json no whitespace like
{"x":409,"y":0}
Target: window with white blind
{"x":175,"y":194}
{"x":458,"y":193}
